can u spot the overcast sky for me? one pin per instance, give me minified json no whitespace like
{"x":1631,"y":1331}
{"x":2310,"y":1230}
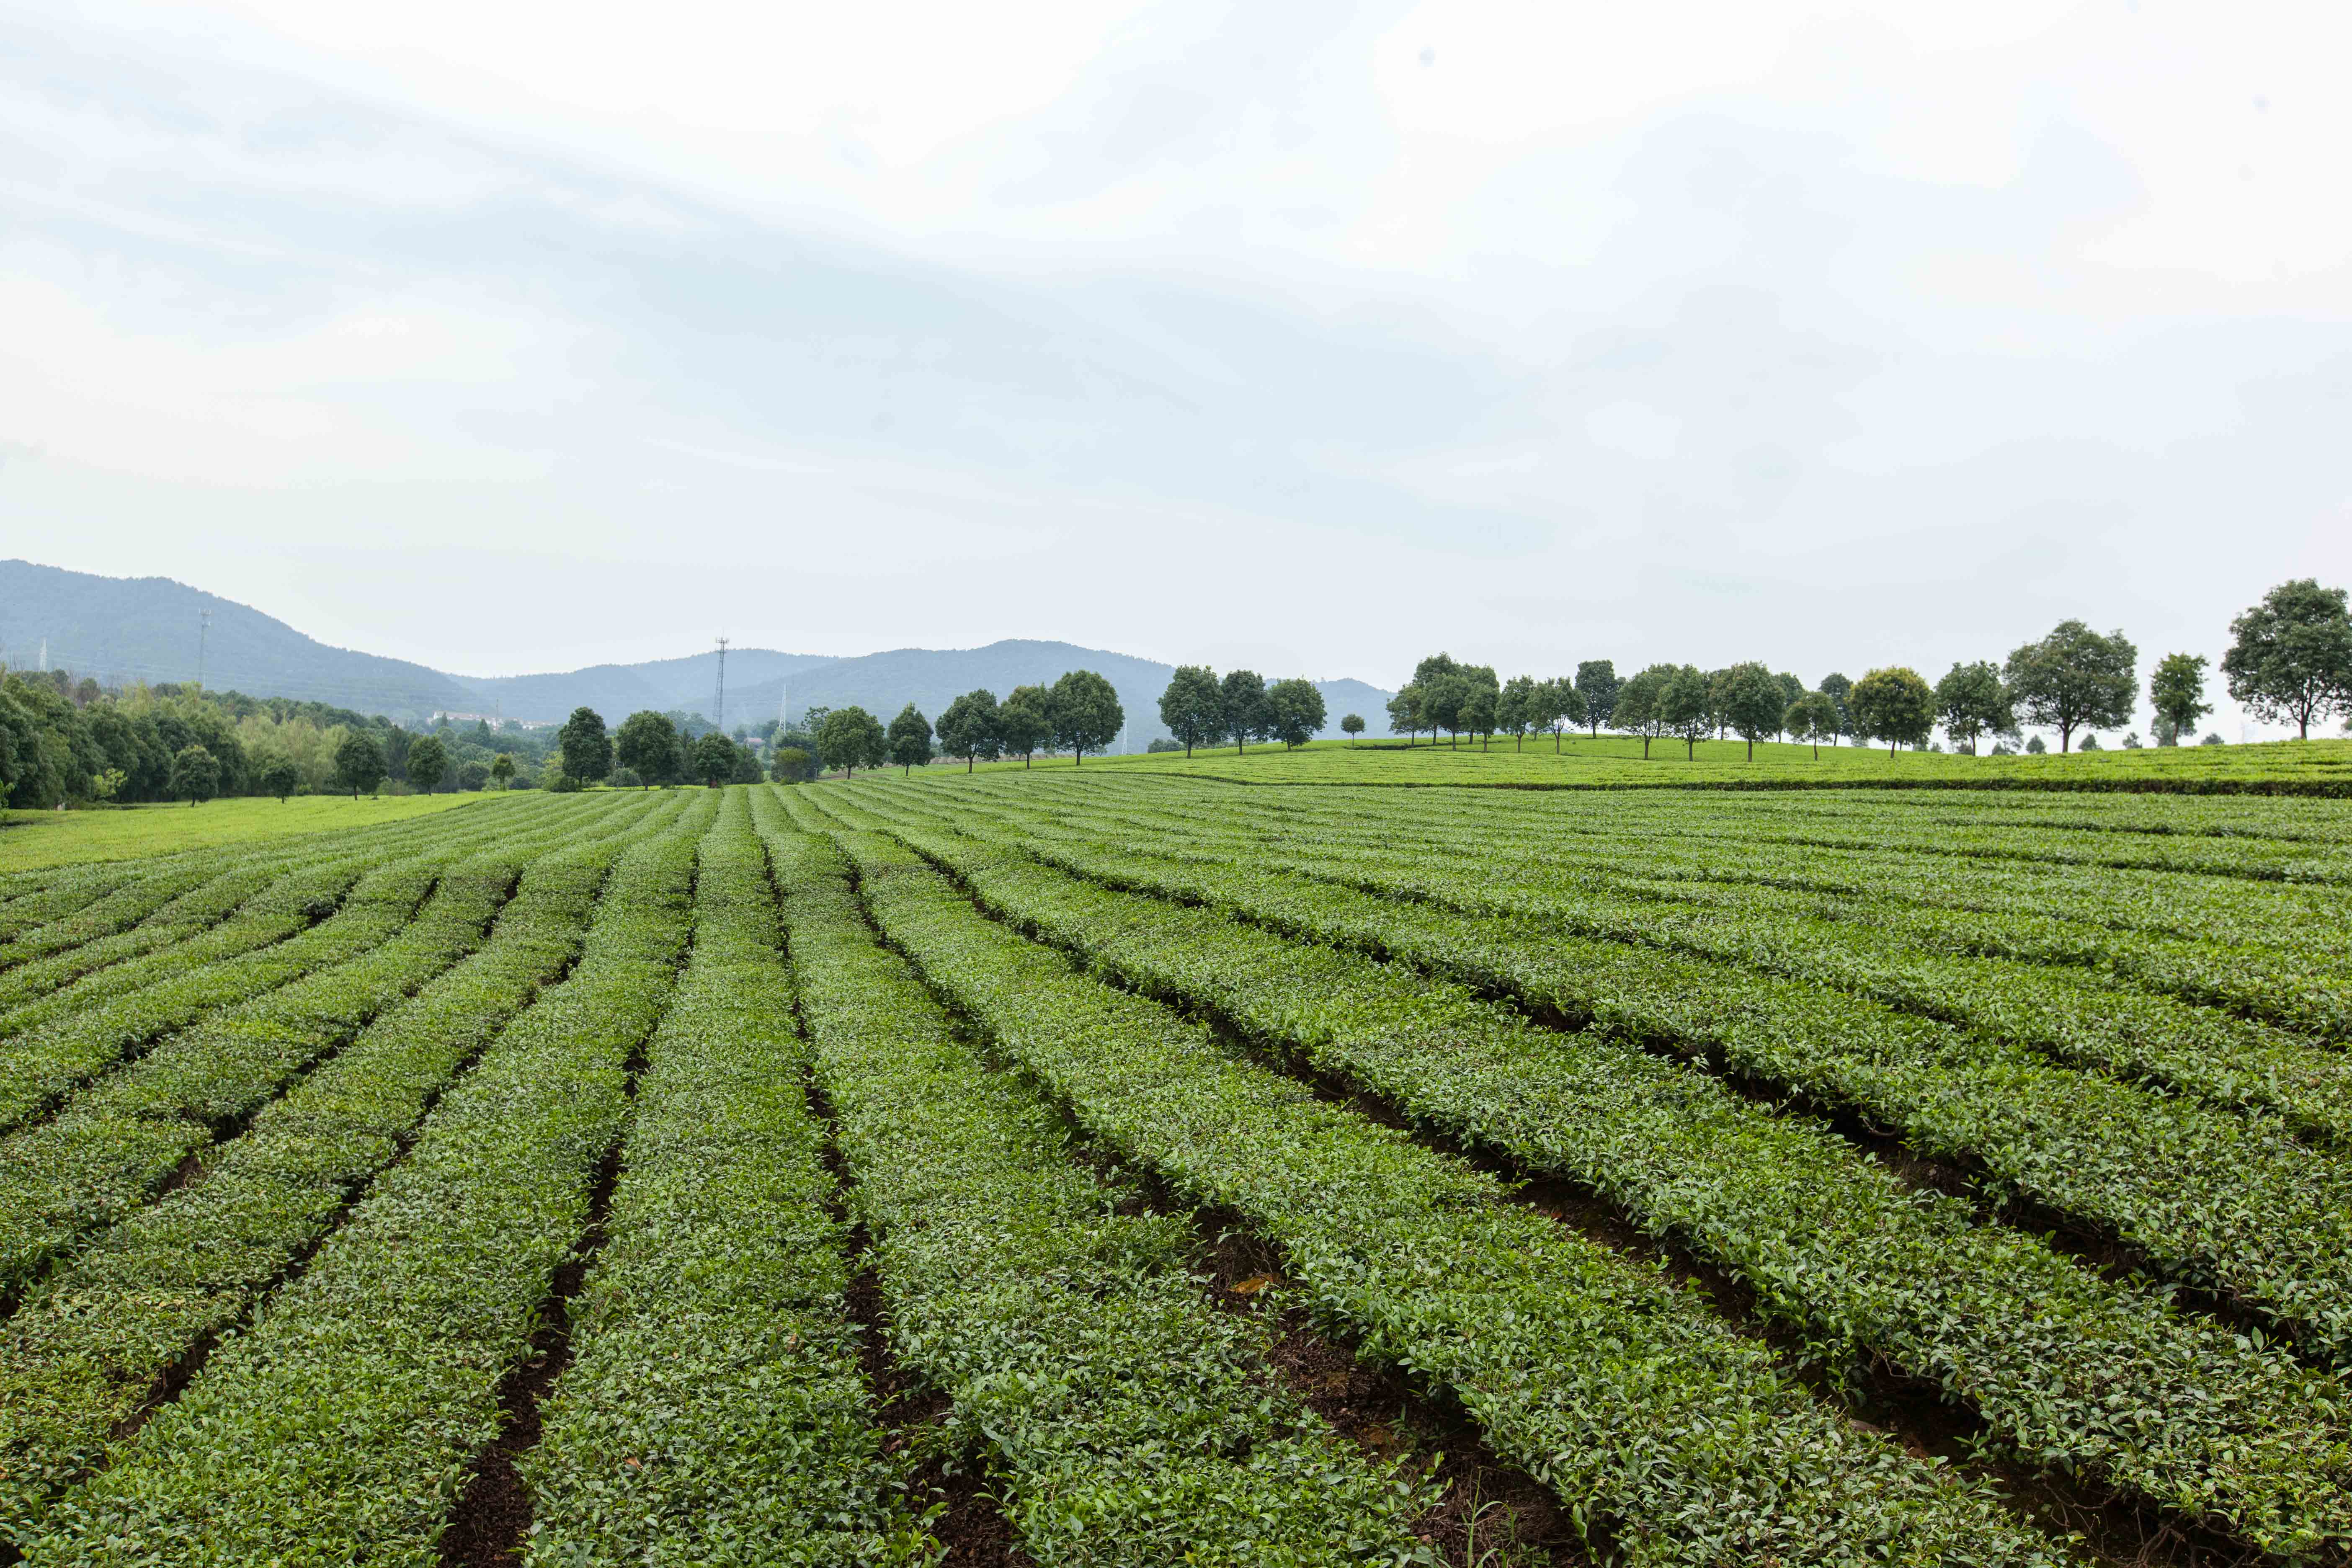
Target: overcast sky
{"x":518,"y":336}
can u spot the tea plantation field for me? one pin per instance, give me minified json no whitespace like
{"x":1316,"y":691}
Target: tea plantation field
{"x":1143,"y":1165}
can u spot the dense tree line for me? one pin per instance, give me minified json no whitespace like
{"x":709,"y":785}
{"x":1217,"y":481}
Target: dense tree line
{"x":67,"y":740}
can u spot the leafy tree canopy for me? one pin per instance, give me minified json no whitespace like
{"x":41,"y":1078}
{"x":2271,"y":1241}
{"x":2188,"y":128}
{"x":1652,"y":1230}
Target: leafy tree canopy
{"x":2074,"y":679}
{"x":1295,"y":710}
{"x":586,"y":749}
{"x":1085,"y":711}
{"x":910,"y":739}
{"x":1025,"y":719}
{"x":1192,"y":708}
{"x":2176,"y":690}
{"x":968,"y":728}
{"x":1895,"y":705}
{"x":2290,"y":656}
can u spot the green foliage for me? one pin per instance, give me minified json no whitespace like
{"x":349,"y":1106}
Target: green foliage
{"x":716,"y":759}
{"x":850,"y":739}
{"x":1895,"y":705}
{"x":1683,"y":707}
{"x":1752,"y":703}
{"x":2074,"y":679}
{"x":2176,"y":690}
{"x":648,"y":745}
{"x":968,"y":729}
{"x":1972,"y":701}
{"x":1351,"y":724}
{"x":1839,"y":690}
{"x":1241,"y":708}
{"x":1192,"y":707}
{"x":1813,"y":719}
{"x":1636,"y":709}
{"x":1025,"y":721}
{"x":792,"y":764}
{"x":195,"y":774}
{"x":502,"y":768}
{"x":586,"y":749}
{"x":428,"y":762}
{"x":1597,"y":685}
{"x":1087,"y":715}
{"x":358,"y":764}
{"x":2290,"y":656}
{"x":909,"y":739}
{"x":1295,"y":712}
{"x":280,"y":777}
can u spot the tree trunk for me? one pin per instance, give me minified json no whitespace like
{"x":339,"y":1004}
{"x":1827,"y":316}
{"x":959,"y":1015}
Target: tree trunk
{"x":1751,"y":750}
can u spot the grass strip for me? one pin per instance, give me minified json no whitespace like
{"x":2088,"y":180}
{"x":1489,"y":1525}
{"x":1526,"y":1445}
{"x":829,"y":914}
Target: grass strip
{"x":342,"y":1426}
{"x":1645,"y":1414}
{"x":2070,"y":1372}
{"x":87,"y":1353}
{"x":1123,"y":1418}
{"x":714,"y":1411}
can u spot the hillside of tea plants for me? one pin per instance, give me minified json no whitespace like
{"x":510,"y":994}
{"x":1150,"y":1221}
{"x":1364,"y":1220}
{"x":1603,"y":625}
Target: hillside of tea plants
{"x":1250,"y":1162}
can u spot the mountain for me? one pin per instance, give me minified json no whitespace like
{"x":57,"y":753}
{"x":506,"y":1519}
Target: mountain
{"x":145,"y":628}
{"x":148,"y":628}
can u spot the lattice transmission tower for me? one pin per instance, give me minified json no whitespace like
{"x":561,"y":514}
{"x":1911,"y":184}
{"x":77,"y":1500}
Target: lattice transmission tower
{"x":718,"y":703}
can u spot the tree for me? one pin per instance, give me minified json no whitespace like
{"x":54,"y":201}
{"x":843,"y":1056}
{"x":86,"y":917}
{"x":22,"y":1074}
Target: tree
{"x":428,"y":759}
{"x":1752,"y":703}
{"x":1025,"y":721}
{"x":1839,"y":690}
{"x":968,"y":728}
{"x":1636,"y":709}
{"x":1405,"y":716}
{"x":910,"y":739}
{"x":359,"y":763}
{"x":2177,"y":692}
{"x":2074,"y":679}
{"x":714,"y":759}
{"x":646,"y":744}
{"x":1353,"y":724}
{"x":792,"y":764}
{"x":195,"y":773}
{"x":1557,"y":705}
{"x":1480,"y":702}
{"x":1086,"y":713}
{"x":1791,"y":689}
{"x":1295,"y":710}
{"x":851,"y":739}
{"x":1813,"y":716}
{"x":1597,"y":683}
{"x":587,"y":750}
{"x":1894,"y":705}
{"x":1194,"y":707}
{"x":1515,"y":709}
{"x":502,"y":769}
{"x":472,"y":776}
{"x":280,"y":777}
{"x":1441,"y":692}
{"x":1684,"y":709}
{"x":1972,"y":701}
{"x":1241,"y":707}
{"x":2291,"y":656}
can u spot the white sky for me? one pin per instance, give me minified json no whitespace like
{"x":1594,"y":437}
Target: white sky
{"x":515,"y":336}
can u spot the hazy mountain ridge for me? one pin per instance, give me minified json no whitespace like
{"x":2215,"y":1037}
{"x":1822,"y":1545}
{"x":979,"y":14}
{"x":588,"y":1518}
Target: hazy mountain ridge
{"x":145,"y":628}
